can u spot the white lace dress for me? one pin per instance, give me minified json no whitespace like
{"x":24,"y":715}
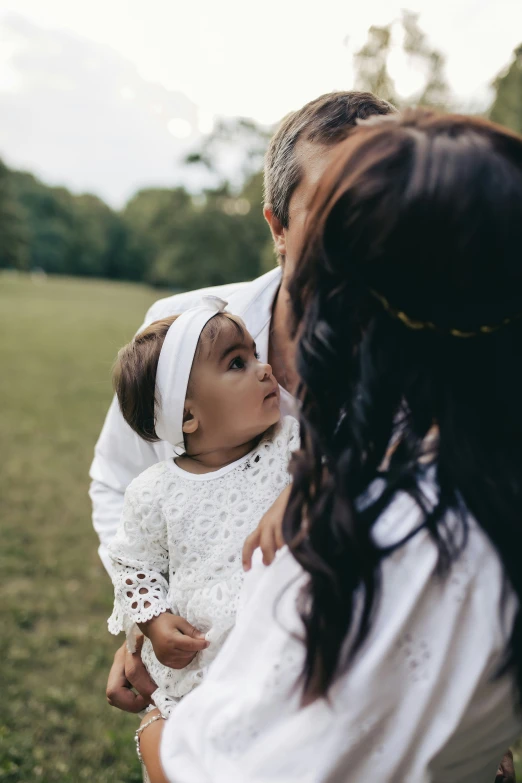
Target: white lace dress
{"x":179,"y":546}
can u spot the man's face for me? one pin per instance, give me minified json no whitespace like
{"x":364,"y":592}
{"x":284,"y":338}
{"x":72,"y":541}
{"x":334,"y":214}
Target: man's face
{"x":313,"y":159}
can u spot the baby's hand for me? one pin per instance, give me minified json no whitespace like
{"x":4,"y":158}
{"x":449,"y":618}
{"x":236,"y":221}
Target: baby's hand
{"x":175,"y":641}
{"x":268,"y":534}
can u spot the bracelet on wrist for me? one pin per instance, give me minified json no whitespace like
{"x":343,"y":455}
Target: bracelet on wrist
{"x":141,"y":729}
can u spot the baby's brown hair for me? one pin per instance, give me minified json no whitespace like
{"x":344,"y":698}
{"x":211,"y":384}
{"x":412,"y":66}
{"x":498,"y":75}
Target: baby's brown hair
{"x":134,"y":378}
{"x":134,"y":372}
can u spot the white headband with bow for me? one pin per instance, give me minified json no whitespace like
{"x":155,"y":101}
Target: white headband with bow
{"x":175,"y":364}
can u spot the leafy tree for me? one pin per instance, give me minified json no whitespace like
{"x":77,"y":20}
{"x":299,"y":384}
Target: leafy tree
{"x":507,"y":105}
{"x":372,"y":64}
{"x":435,"y":91}
{"x":164,"y":236}
{"x":218,"y":240}
{"x":157,"y":216}
{"x":106,"y":244}
{"x":13,"y":227}
{"x":234,"y":145}
{"x":260,"y":237}
{"x":155,"y":212}
{"x":216,"y":237}
{"x":76,"y":235}
{"x":50,"y":223}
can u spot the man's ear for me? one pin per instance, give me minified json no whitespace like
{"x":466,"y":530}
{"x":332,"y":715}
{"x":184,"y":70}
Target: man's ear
{"x":190,"y":420}
{"x":277,"y":230}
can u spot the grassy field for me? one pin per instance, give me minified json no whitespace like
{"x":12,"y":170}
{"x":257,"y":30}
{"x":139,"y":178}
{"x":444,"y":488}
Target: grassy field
{"x":57,"y":342}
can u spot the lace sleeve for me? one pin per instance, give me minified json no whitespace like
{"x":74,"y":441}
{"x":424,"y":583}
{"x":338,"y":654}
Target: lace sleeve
{"x":139,"y":559}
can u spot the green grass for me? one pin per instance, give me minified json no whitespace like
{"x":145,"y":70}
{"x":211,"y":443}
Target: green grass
{"x":57,"y":342}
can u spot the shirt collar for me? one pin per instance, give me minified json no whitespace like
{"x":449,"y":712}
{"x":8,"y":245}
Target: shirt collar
{"x":254,"y":302}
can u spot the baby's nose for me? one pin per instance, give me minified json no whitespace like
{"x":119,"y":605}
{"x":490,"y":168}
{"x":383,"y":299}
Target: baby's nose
{"x":265,"y":371}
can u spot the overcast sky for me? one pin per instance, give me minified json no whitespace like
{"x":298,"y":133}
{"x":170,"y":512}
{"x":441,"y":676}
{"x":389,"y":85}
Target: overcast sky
{"x":105,"y":96}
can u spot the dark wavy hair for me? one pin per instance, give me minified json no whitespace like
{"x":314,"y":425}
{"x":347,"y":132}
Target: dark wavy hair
{"x":406,"y":302}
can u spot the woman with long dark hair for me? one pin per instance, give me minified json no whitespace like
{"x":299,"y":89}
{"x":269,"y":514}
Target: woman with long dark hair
{"x":404,"y":525}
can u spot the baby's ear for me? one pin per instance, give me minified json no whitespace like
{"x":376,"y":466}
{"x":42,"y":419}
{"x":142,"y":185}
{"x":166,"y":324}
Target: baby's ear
{"x":190,"y":420}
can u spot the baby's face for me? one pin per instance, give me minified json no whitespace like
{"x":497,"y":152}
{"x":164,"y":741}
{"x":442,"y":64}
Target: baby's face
{"x":234,"y":396}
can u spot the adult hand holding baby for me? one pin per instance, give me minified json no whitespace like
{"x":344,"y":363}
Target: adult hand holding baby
{"x":130,"y":686}
{"x":175,"y":641}
{"x":268,"y":534}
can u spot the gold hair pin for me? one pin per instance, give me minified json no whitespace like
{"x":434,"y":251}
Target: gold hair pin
{"x":417,"y":325}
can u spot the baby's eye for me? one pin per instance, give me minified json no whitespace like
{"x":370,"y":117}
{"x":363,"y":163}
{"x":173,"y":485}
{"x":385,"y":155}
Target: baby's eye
{"x":256,"y":354}
{"x":237,"y":363}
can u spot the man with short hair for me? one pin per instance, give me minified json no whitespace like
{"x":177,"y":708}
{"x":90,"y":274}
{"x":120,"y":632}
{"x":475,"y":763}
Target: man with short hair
{"x":298,"y":154}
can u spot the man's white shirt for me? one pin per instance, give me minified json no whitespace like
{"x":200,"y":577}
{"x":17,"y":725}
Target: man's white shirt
{"x":120,"y":454}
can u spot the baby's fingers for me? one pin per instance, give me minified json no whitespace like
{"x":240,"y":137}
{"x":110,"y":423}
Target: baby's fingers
{"x":188,"y":638}
{"x":268,"y":545}
{"x":188,"y":644}
{"x":278,"y":535}
{"x":251,"y":543}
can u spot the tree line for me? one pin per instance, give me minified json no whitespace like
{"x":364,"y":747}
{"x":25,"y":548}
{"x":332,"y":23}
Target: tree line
{"x":177,"y":239}
{"x":164,"y":237}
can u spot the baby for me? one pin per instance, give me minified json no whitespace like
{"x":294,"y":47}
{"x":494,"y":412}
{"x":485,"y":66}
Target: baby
{"x":195,"y":381}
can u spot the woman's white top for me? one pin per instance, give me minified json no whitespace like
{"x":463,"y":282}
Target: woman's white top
{"x":179,"y":547}
{"x":419,"y":703}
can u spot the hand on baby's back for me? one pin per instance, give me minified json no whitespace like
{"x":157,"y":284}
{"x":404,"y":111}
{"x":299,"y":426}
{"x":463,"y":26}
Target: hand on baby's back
{"x":174,"y":640}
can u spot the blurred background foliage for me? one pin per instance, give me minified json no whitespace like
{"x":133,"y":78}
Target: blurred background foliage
{"x":163,"y":236}
{"x":174,"y":238}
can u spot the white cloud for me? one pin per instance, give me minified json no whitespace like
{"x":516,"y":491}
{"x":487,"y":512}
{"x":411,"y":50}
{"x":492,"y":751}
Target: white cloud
{"x":82,"y":116}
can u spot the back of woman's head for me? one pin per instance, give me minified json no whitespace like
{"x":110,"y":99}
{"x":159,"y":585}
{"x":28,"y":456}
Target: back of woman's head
{"x":408,"y":303}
